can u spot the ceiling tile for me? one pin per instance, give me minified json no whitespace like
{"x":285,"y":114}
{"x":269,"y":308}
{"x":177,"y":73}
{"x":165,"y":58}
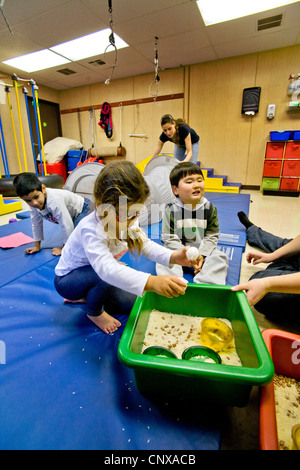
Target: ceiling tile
{"x":182,"y":36}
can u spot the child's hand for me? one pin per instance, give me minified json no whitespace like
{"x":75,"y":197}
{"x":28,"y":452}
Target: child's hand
{"x":32,"y":250}
{"x":198,"y":264}
{"x":255,"y":289}
{"x":167,"y":285}
{"x":179,"y":257}
{"x":257,"y":257}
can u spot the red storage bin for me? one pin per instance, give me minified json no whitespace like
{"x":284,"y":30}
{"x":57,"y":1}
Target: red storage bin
{"x":292,"y":150}
{"x":291,"y":168}
{"x":58,"y":168}
{"x":275,"y":149}
{"x":272,"y":168}
{"x":289,"y":184}
{"x":284,"y":350}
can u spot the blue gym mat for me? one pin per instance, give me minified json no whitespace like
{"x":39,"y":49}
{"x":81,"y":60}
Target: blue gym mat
{"x":62,"y":385}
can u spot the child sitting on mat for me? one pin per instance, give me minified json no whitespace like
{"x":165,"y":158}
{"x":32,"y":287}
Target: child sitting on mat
{"x":193,"y":220}
{"x":89,"y":266}
{"x":55,"y":205}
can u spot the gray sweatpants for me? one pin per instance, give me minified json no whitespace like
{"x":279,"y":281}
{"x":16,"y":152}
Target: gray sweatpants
{"x":214,"y":269}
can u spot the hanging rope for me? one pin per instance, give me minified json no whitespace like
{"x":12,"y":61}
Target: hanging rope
{"x":4,"y":17}
{"x":134,"y":133}
{"x":92,"y":130}
{"x":112,"y":43}
{"x":156,"y":78}
{"x":119,"y":149}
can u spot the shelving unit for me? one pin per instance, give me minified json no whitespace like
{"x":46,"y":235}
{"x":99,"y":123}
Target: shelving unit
{"x":281,"y":173}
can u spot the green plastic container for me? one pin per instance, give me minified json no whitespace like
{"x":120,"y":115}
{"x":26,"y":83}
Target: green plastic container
{"x":205,"y":382}
{"x":270,"y":183}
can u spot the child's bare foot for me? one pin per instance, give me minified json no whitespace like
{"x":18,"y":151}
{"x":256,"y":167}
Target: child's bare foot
{"x":80,"y":301}
{"x":105,"y":322}
{"x":56,"y":251}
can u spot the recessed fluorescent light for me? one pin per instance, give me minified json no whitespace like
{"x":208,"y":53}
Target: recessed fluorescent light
{"x":34,"y":61}
{"x":218,"y":11}
{"x":88,"y":46}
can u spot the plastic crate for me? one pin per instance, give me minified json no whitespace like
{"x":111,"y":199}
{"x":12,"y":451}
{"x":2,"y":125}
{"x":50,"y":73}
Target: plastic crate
{"x":291,"y":168}
{"x":270,"y":183}
{"x":292,"y":150}
{"x":289,"y":184}
{"x":272,"y":168}
{"x":275,"y":150}
{"x":280,"y":135}
{"x":296,"y":135}
{"x":73,"y":157}
{"x":204,"y":382}
{"x":57,"y":168}
{"x":281,"y":346}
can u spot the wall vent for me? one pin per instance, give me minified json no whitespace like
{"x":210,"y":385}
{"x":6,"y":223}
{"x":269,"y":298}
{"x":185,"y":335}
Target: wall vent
{"x":66,"y":71}
{"x":267,"y":23}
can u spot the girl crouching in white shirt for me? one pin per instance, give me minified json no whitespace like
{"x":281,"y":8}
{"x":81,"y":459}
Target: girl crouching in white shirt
{"x":89,"y":266}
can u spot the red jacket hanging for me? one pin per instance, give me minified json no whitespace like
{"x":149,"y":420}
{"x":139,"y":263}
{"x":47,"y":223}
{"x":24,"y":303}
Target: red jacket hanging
{"x":105,"y":119}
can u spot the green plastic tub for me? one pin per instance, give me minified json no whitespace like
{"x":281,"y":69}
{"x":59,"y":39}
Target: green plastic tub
{"x":205,"y":382}
{"x":270,"y":183}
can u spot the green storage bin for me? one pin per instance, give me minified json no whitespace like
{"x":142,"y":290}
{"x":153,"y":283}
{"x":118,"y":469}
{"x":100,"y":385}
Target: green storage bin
{"x":270,"y":183}
{"x":205,"y":382}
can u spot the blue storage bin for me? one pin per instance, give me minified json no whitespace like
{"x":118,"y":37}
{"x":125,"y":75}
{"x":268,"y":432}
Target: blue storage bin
{"x":73,"y":157}
{"x":280,"y":135}
{"x":296,"y":135}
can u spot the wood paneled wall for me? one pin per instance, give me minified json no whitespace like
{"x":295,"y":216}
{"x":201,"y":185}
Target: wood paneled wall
{"x":231,"y":143}
{"x":138,"y":118}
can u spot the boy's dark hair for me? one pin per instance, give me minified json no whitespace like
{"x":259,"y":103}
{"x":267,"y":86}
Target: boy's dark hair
{"x":25,"y":183}
{"x":182,"y":170}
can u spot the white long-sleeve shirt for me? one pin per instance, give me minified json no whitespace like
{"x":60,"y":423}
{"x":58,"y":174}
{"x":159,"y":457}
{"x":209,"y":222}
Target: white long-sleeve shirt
{"x":62,"y":207}
{"x":89,"y":245}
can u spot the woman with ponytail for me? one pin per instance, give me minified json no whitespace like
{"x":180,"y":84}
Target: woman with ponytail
{"x":186,"y":140}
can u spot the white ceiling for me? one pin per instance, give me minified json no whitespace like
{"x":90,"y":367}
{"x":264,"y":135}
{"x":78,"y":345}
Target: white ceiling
{"x":183,"y":38}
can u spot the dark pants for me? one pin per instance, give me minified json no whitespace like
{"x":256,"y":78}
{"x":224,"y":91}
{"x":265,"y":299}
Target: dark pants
{"x":85,"y":283}
{"x":275,"y":304}
{"x":87,"y":208}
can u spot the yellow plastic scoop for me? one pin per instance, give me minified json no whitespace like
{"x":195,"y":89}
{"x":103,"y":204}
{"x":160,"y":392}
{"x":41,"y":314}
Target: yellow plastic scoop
{"x":216,"y":334}
{"x":296,"y":437}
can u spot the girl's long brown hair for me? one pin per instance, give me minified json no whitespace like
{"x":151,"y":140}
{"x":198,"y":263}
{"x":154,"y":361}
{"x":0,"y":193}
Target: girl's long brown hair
{"x":121,"y":179}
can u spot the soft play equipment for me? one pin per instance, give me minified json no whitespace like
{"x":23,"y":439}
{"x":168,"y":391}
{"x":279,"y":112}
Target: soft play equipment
{"x":107,"y":151}
{"x":7,"y":205}
{"x":219,"y":183}
{"x":213,"y":183}
{"x":62,"y":385}
{"x":81,"y":180}
{"x":156,"y":174}
{"x":51,"y":181}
